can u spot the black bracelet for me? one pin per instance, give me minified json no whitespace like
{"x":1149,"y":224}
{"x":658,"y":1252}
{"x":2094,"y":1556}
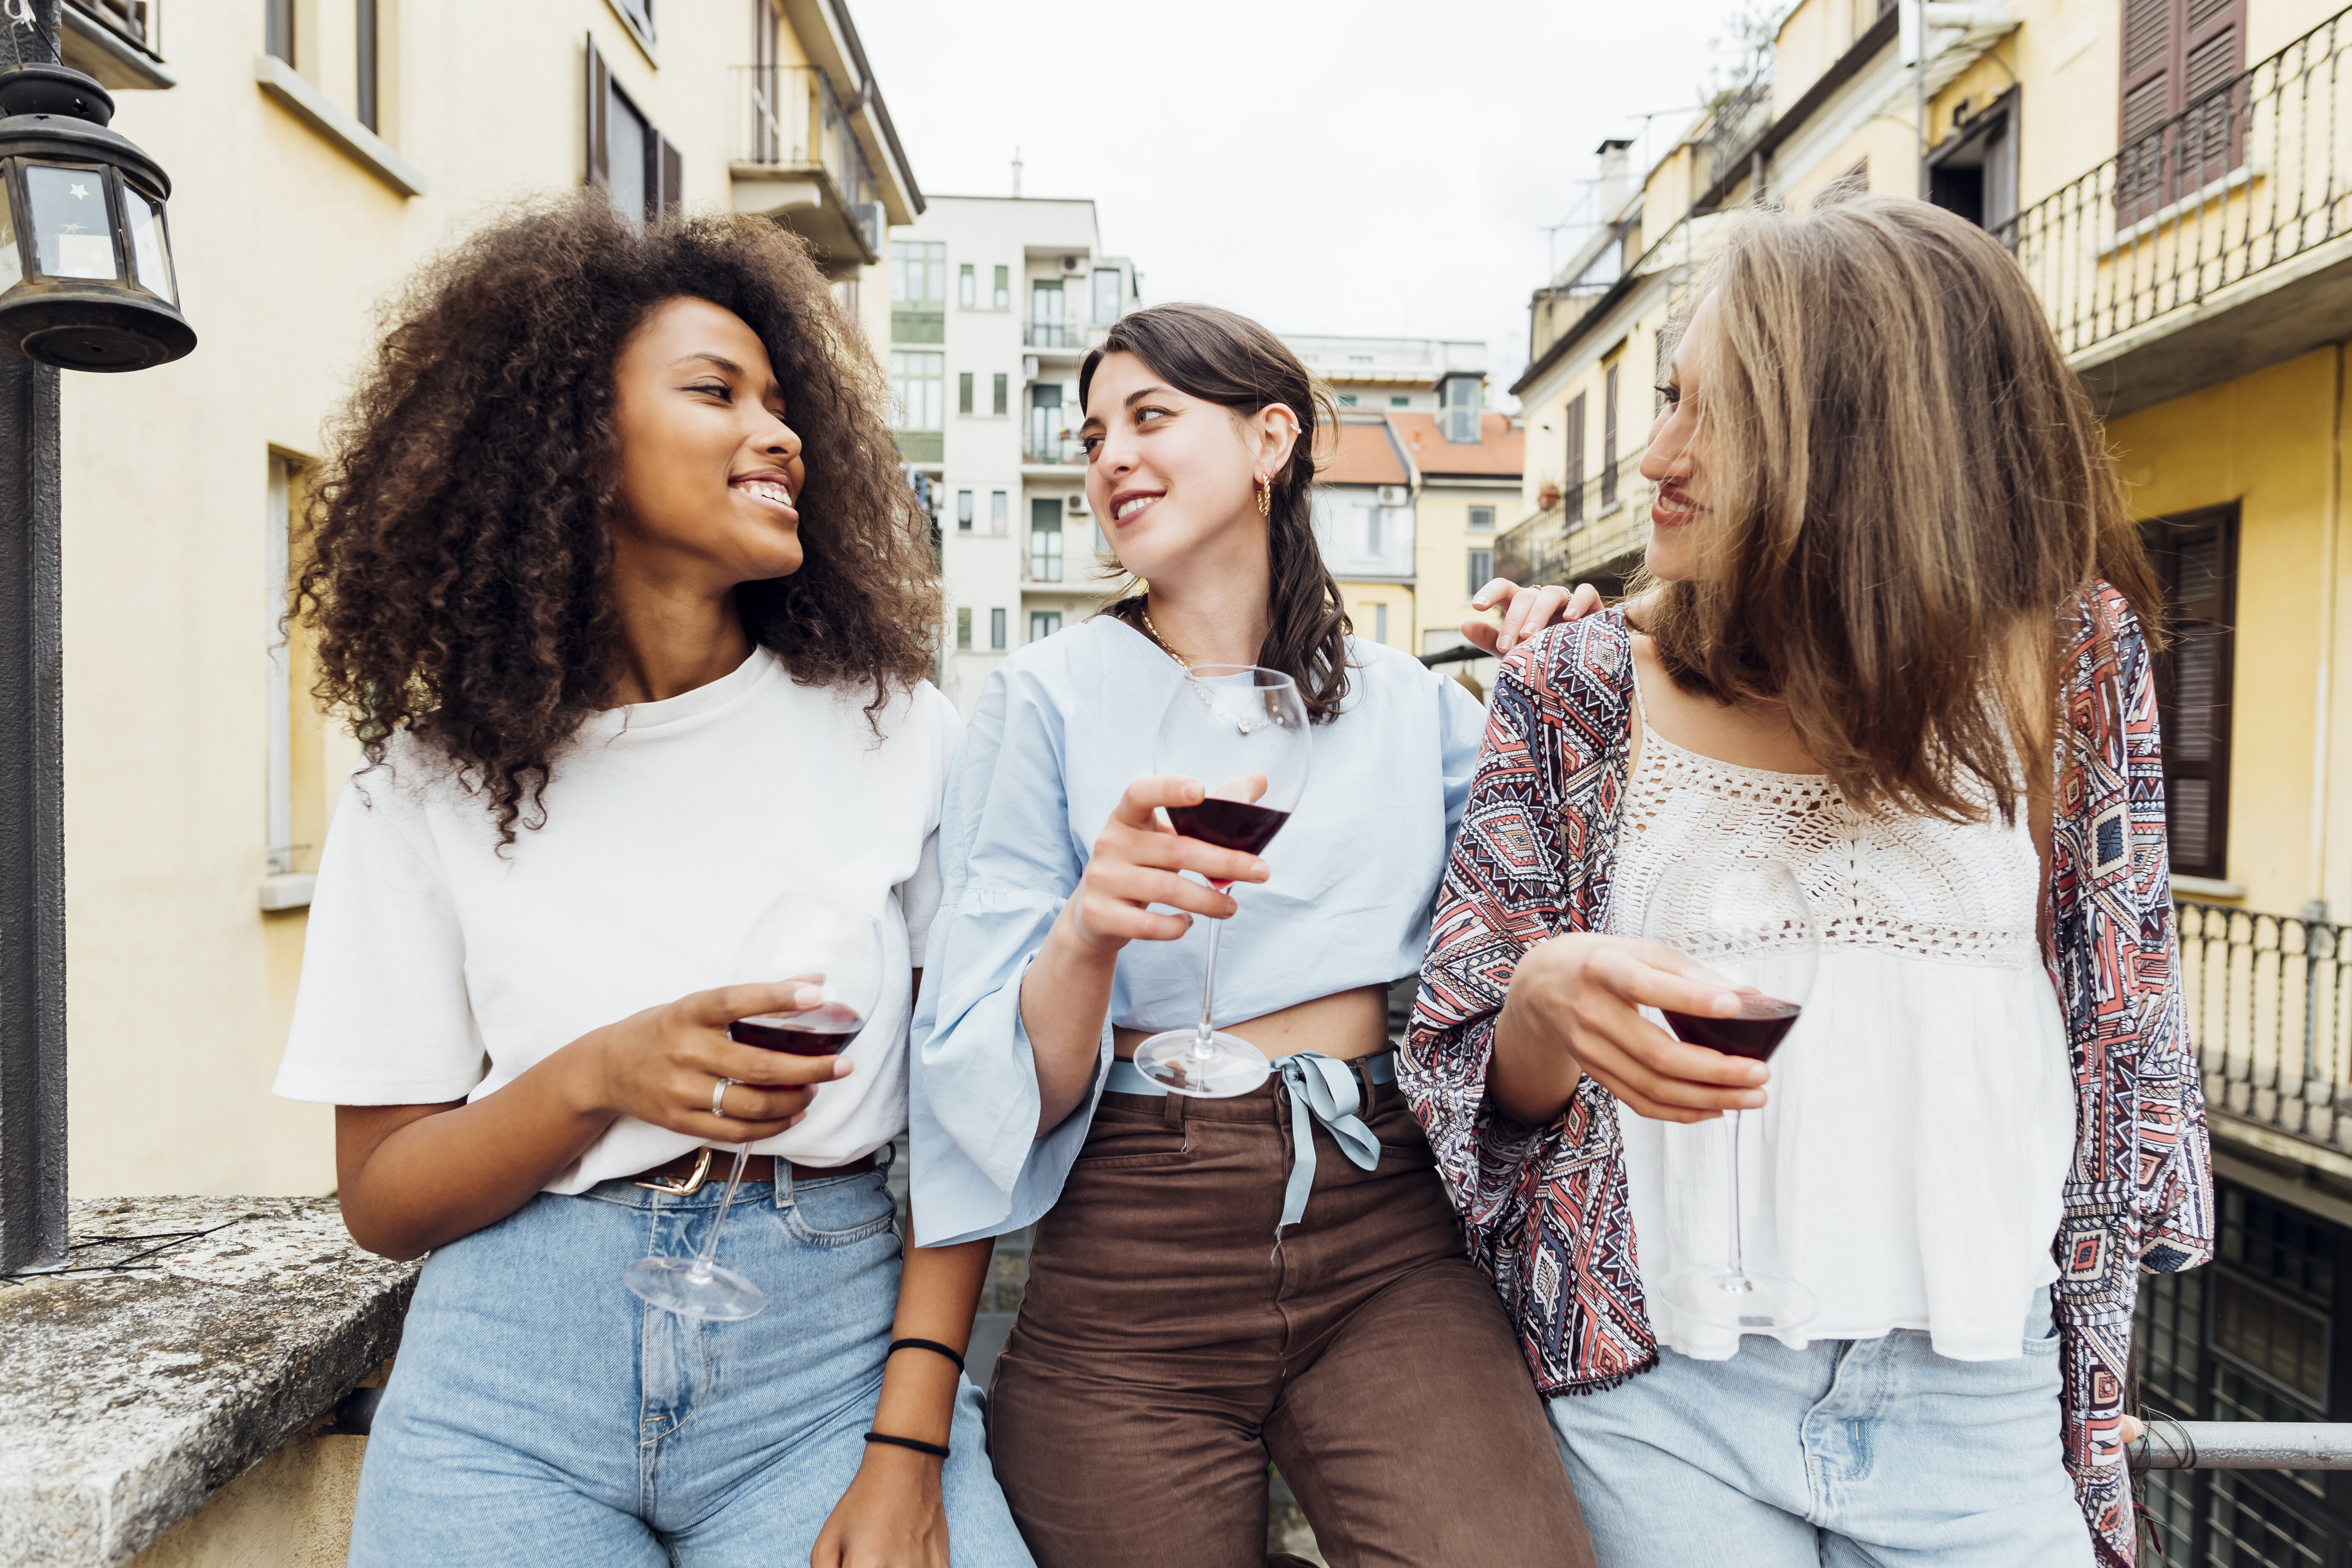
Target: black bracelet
{"x":934,"y":1345}
{"x":936,"y":1450}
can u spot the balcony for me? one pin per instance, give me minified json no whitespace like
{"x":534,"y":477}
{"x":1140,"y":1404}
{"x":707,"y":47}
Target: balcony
{"x":796,"y":160}
{"x":2215,"y":244}
{"x":120,"y":42}
{"x":1595,"y":532}
{"x":2269,"y":1001}
{"x":1051,"y":338}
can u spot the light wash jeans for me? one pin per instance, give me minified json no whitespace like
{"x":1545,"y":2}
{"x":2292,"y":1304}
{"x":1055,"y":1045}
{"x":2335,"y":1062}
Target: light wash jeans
{"x":1846,"y":1453}
{"x":539,"y":1414}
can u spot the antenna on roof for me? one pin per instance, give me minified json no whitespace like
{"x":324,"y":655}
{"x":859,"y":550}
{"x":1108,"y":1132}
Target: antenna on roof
{"x":1016,"y":171}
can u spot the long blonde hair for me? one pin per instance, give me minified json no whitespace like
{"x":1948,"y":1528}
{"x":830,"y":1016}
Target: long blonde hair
{"x":1907,"y":494}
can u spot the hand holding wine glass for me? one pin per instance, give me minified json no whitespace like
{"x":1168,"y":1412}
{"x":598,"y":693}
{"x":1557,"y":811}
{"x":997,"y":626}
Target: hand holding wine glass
{"x":815,"y":945}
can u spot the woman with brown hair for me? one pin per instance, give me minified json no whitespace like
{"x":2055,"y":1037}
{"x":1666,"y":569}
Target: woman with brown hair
{"x":1216,"y":1282}
{"x":616,"y":573}
{"x":1891,"y":578}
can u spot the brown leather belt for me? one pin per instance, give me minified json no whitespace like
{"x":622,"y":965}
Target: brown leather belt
{"x":689,"y":1170}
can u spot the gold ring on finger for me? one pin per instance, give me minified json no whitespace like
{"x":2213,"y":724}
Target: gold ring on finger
{"x":719,"y":1095}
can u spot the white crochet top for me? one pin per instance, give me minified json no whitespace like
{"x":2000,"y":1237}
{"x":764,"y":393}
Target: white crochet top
{"x":1920,"y":1116}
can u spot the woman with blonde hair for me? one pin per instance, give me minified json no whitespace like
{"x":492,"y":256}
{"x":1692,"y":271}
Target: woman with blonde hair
{"x":1895,"y":634}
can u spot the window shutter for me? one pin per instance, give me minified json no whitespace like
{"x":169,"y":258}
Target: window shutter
{"x":1609,"y":435}
{"x":2178,"y":55}
{"x":600,"y":97}
{"x":2195,"y":557}
{"x":1571,"y":488}
{"x":669,"y":189}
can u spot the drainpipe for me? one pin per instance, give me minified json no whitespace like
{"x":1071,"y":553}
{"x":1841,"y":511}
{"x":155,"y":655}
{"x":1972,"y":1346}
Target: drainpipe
{"x":2315,"y":913}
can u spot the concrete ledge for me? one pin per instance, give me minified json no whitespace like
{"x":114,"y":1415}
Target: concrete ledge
{"x":127,"y":1398}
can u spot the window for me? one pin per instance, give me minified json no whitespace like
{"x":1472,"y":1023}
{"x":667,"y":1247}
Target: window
{"x":630,"y":161}
{"x":1482,"y":568}
{"x":918,"y":292}
{"x":1002,"y":300}
{"x":996,"y":630}
{"x":1482,"y":519}
{"x":1347,"y":400}
{"x":964,"y":626}
{"x":967,"y":288}
{"x":1373,"y":533}
{"x":963,"y":511}
{"x":639,"y":15}
{"x":277,"y":840}
{"x":2184,"y":108}
{"x":1045,"y":539}
{"x":1609,"y":434}
{"x":996,"y":512}
{"x":1572,"y":485}
{"x":1381,"y":624}
{"x":1045,"y":320}
{"x":1458,"y":417}
{"x":997,"y":399}
{"x":1395,"y":402}
{"x":1107,"y":296}
{"x":367,"y":77}
{"x":917,"y":404}
{"x":1974,"y":172}
{"x":277,"y":29}
{"x":2195,"y":557}
{"x":1044,"y":624}
{"x":1046,"y":421}
{"x":963,"y":391}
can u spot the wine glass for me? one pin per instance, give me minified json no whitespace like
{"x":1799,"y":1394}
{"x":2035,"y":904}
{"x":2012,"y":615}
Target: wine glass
{"x":798,"y":937}
{"x":1242,"y":733}
{"x":1748,"y":921}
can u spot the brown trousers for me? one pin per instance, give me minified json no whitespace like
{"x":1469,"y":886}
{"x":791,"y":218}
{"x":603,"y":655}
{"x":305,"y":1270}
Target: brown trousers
{"x":1167,"y":1348}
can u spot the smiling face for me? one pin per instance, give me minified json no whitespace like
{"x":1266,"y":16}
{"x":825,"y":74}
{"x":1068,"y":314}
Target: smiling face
{"x":1674,"y":460}
{"x":1173,"y":477}
{"x":706,"y":470}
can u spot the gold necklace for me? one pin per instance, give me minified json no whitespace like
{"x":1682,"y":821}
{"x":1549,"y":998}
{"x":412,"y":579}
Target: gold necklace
{"x":1205,"y":695}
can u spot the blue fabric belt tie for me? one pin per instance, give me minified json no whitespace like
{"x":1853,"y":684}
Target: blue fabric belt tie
{"x":1321,"y":1088}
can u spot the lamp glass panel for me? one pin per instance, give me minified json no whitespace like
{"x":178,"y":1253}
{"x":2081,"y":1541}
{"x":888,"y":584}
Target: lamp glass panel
{"x":151,"y":253}
{"x":12,"y":264}
{"x":72,"y":234}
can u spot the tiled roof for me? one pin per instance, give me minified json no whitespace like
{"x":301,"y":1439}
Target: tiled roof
{"x":1363,"y":456}
{"x":1499,"y":454}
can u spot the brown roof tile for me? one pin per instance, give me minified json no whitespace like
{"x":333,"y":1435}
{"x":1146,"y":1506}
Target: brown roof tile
{"x":1500,"y":452}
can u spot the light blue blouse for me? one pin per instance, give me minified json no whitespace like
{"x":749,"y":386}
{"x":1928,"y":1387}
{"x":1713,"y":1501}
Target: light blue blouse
{"x":1063,"y":727}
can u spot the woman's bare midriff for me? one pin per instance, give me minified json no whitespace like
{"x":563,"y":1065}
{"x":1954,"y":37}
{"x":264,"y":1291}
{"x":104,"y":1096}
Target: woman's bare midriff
{"x":1343,"y":1026}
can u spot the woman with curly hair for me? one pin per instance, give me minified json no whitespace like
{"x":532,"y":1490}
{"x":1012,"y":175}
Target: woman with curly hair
{"x":614,"y":568}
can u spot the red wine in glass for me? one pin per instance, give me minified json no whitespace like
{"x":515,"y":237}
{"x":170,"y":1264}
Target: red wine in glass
{"x":1228,"y":824}
{"x":818,"y":1032}
{"x":1756,"y":1031}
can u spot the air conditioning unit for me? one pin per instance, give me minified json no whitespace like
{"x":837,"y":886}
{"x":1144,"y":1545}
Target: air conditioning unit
{"x":1073,"y":265}
{"x":1075,"y":506}
{"x":1393,"y":495}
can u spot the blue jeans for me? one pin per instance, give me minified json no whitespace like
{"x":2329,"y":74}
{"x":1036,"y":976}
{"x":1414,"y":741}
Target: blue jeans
{"x":1846,"y":1453}
{"x":539,"y":1414}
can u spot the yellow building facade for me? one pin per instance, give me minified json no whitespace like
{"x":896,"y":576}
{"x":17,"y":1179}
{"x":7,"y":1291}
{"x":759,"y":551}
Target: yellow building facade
{"x":312,"y":171}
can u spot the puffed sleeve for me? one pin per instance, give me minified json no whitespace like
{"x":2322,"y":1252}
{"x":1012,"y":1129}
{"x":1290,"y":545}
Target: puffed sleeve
{"x":1007,"y":864}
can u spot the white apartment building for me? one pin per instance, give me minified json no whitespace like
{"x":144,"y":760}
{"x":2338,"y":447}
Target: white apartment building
{"x":1383,"y":374}
{"x":994,"y":302}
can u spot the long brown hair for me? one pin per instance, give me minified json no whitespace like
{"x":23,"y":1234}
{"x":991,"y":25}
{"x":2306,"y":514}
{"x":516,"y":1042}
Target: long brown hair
{"x":1907,"y":493}
{"x":1220,"y":357}
{"x":458,"y":558}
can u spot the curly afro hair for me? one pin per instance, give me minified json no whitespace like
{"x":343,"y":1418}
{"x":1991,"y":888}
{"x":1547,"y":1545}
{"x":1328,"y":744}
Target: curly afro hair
{"x":457,"y":559}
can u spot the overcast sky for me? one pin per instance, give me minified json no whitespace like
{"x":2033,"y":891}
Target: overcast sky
{"x":1361,"y":166}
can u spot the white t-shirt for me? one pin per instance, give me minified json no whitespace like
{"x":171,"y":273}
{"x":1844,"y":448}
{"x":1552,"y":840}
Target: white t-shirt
{"x":436,"y":968}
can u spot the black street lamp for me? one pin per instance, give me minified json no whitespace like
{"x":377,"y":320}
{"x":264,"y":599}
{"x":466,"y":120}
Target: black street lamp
{"x":86,"y":278}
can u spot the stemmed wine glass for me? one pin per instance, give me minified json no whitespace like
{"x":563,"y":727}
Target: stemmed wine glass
{"x":1242,"y":733}
{"x":798,"y":937}
{"x":1748,"y":921}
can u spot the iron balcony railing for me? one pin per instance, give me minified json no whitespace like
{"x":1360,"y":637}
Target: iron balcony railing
{"x":1741,"y":115}
{"x":138,"y":23}
{"x":1594,"y":524}
{"x":2255,"y":173}
{"x":2269,"y":999}
{"x":787,"y":117}
{"x":1061,"y":335}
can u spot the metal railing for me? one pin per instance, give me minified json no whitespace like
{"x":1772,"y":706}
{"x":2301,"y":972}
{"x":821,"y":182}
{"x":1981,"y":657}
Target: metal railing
{"x":137,"y":22}
{"x":787,"y":117}
{"x":2255,"y":173}
{"x":2269,"y":999}
{"x":1740,"y":118}
{"x":1582,"y":533}
{"x":1061,"y":334}
{"x":2172,"y":1445}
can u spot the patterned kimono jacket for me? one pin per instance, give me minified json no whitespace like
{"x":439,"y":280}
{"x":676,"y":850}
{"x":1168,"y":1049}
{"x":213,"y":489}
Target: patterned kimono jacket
{"x":1546,"y":1208}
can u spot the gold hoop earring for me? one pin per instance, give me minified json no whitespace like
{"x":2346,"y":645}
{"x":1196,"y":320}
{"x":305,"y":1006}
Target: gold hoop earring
{"x":1265,"y":496}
